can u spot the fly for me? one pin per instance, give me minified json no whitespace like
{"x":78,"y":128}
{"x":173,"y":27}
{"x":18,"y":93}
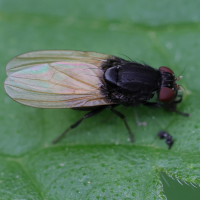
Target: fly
{"x":89,"y":81}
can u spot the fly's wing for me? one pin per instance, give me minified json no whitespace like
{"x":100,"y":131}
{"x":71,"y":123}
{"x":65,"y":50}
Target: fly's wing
{"x":40,"y":57}
{"x":56,"y":79}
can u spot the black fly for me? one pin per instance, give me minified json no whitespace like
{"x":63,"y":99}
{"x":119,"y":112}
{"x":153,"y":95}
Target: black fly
{"x":89,"y":81}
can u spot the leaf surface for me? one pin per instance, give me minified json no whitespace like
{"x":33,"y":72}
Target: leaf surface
{"x":96,"y":160}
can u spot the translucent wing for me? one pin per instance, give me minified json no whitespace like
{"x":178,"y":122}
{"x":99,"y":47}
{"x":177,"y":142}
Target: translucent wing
{"x":40,"y":57}
{"x":56,"y":79}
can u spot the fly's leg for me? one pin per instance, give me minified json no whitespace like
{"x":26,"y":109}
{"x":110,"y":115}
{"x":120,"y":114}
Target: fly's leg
{"x":181,"y":113}
{"x":172,"y":107}
{"x":125,"y":122}
{"x":90,"y":114}
{"x":137,"y":120}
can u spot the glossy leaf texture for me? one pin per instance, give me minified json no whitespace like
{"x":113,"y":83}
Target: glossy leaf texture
{"x":96,"y":160}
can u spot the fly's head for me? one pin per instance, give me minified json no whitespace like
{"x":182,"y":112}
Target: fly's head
{"x":168,"y":87}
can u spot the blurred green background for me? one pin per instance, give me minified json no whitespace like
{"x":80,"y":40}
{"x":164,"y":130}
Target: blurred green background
{"x":97,"y":161}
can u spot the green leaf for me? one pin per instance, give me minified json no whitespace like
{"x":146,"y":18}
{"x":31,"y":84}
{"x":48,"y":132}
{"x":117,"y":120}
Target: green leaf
{"x":96,"y":160}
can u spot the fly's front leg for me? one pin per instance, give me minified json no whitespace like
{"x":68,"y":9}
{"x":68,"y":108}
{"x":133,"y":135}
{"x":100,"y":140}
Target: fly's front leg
{"x":125,"y":122}
{"x":172,"y":107}
{"x":90,"y":114}
{"x":168,"y":106}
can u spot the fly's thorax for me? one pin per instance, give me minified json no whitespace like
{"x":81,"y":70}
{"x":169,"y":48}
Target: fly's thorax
{"x":132,"y":77}
{"x":131,"y":81}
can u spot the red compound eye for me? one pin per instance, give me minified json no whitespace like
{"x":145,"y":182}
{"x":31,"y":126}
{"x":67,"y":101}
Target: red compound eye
{"x":166,"y":69}
{"x":166,"y":94}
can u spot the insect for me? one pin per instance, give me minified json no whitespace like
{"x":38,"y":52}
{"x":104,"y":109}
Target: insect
{"x":89,"y":81}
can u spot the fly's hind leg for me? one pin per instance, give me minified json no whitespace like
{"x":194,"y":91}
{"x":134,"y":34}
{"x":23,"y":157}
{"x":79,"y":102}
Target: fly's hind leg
{"x":125,"y":122}
{"x":90,"y":114}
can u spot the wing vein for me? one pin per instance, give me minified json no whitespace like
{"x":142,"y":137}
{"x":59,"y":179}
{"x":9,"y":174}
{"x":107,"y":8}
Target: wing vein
{"x":48,"y":92}
{"x":92,"y":100}
{"x":67,"y":86}
{"x":75,"y":78}
{"x":76,"y":99}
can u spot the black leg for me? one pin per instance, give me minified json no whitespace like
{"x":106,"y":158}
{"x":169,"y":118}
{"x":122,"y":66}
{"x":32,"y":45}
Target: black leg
{"x":171,"y":106}
{"x":125,"y":122}
{"x":90,"y":114}
{"x":182,"y":113}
